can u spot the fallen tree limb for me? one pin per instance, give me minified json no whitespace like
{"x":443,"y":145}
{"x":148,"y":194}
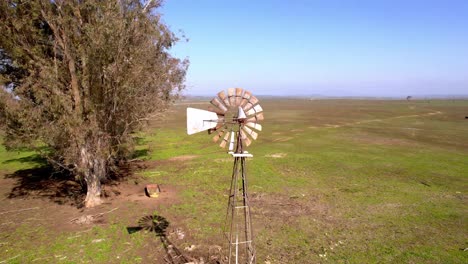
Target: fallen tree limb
{"x":87,"y":219}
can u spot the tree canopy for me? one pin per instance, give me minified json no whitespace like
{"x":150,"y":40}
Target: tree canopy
{"x":84,"y":75}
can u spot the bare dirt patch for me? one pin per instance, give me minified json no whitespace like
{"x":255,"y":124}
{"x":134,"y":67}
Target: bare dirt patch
{"x":284,"y":207}
{"x":183,"y":158}
{"x":222,"y":160}
{"x":134,"y":191}
{"x":49,"y":208}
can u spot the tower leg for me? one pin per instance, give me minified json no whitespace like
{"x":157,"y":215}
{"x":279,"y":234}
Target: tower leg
{"x":238,"y":227}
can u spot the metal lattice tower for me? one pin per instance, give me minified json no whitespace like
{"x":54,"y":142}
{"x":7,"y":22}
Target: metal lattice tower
{"x":238,"y":224}
{"x":235,"y":118}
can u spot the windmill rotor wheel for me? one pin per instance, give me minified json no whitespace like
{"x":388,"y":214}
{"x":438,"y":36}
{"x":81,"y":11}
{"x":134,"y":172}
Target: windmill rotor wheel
{"x":232,"y":117}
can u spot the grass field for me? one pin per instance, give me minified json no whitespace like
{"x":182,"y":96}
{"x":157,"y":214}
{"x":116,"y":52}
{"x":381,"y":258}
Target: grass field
{"x":331,"y":181}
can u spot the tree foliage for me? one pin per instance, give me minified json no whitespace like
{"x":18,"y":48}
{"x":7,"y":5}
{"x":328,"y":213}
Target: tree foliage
{"x":85,"y":74}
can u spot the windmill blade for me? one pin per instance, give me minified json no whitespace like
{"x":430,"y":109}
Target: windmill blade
{"x":247,"y":141}
{"x":256,"y":109}
{"x":220,"y":118}
{"x":239,"y":92}
{"x":250,"y":132}
{"x":218,"y":136}
{"x":216,"y":102}
{"x":223,"y":97}
{"x":231,"y":143}
{"x":245,"y":98}
{"x":224,"y":141}
{"x":242,"y":134}
{"x":220,"y":125}
{"x":200,"y":120}
{"x":254,"y":126}
{"x":255,"y":119}
{"x":245,"y":138}
{"x":259,"y":117}
{"x":231,"y":95}
{"x":216,"y":110}
{"x":252,"y":101}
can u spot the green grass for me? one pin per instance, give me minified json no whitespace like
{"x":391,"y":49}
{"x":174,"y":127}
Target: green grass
{"x":97,"y":245}
{"x":11,"y":161}
{"x":389,"y":185}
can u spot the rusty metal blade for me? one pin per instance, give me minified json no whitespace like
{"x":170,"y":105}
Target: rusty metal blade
{"x":254,"y":135}
{"x":260,"y":117}
{"x":231,"y":95}
{"x":247,"y":141}
{"x":256,"y":109}
{"x":224,"y":98}
{"x":245,"y":98}
{"x":219,"y":135}
{"x":222,"y":95}
{"x":254,"y":126}
{"x":247,"y":107}
{"x":253,"y":100}
{"x":247,"y":95}
{"x":250,"y":132}
{"x":216,"y":110}
{"x":239,"y":92}
{"x":255,"y":119}
{"x":216,"y":102}
{"x":231,"y":142}
{"x":225,"y":140}
{"x":243,"y":135}
{"x":231,"y":91}
{"x":220,"y":125}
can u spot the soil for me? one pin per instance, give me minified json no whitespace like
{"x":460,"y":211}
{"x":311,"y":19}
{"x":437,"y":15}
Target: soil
{"x":56,"y":203}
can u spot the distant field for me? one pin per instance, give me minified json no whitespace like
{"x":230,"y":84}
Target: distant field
{"x":331,"y":181}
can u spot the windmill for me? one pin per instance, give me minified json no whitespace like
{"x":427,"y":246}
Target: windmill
{"x":234,"y":119}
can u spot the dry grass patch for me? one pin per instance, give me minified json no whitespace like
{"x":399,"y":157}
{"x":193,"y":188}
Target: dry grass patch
{"x":276,"y":155}
{"x":183,"y":158}
{"x":282,"y":139}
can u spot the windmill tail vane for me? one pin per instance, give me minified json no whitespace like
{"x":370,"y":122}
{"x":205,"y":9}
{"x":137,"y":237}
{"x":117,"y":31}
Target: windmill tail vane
{"x":233,"y":118}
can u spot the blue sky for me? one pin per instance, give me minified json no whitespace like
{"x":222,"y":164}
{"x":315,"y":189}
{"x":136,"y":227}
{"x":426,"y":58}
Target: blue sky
{"x":335,"y":48}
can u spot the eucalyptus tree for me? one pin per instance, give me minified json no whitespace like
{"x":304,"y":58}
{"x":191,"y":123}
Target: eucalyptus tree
{"x":88,"y":74}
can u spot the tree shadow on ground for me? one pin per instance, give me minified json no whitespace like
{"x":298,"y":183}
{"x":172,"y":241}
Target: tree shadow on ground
{"x":39,"y":160}
{"x":44,"y":182}
{"x":140,"y":153}
{"x":158,"y":225}
{"x":61,"y":187}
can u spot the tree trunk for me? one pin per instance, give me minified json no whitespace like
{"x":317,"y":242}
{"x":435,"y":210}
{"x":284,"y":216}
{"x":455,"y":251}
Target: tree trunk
{"x":93,"y":170}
